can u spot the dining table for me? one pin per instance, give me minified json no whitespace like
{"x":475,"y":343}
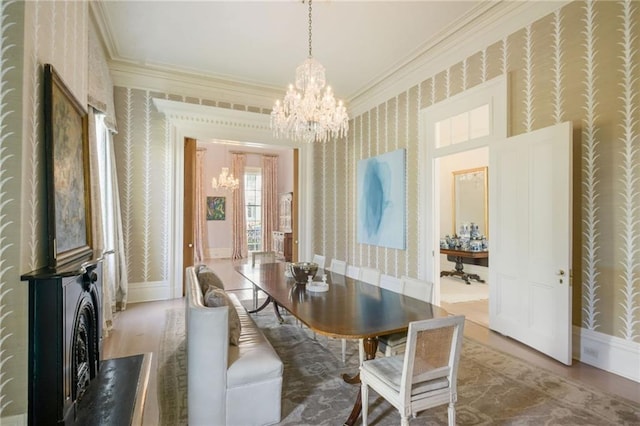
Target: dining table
{"x":348,"y":309}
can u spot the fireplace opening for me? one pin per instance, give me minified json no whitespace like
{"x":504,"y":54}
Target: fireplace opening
{"x":85,"y":350}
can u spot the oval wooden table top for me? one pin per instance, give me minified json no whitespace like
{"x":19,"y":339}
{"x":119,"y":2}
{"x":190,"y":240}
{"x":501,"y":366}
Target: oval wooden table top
{"x":350,"y":309}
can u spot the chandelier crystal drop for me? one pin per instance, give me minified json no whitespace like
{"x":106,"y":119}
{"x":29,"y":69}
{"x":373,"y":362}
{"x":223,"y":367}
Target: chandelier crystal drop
{"x":307,"y":113}
{"x":225,"y":181}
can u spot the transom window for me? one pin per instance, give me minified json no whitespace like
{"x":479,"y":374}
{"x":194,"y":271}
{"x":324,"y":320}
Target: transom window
{"x":462,"y":127}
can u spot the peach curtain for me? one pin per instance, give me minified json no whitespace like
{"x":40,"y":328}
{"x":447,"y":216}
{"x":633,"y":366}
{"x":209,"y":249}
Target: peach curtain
{"x":239,"y":234}
{"x":269,"y":200}
{"x":200,"y":220}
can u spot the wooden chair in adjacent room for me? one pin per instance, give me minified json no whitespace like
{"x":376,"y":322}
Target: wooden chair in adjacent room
{"x":425,"y":376}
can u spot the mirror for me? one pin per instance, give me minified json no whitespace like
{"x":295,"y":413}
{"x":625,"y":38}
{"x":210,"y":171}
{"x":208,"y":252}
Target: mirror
{"x":470,"y":202}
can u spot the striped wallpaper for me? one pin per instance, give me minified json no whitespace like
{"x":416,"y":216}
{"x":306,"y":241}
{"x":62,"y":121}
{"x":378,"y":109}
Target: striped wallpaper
{"x":31,"y":34}
{"x":579,"y":64}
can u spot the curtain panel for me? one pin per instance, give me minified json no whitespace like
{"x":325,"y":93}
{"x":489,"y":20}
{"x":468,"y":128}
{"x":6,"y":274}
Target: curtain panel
{"x":100,"y":85}
{"x":239,"y":233}
{"x":97,"y":218}
{"x":269,"y":199}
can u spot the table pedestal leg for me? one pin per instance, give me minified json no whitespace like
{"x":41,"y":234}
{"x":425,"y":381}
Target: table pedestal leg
{"x":459,"y":272}
{"x":265,"y":304}
{"x":261,"y":307}
{"x":370,"y":347}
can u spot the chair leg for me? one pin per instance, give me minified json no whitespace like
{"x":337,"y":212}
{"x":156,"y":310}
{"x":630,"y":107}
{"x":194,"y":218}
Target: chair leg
{"x":364,"y":394}
{"x":452,"y":414}
{"x":404,"y":421}
{"x":344,"y":350}
{"x":255,"y":297}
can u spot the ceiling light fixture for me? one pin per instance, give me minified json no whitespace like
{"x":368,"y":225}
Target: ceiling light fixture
{"x":225,"y":181}
{"x":307,"y":114}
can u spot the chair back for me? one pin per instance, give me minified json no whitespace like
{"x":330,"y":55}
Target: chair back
{"x":258,"y":257}
{"x":369,"y":275}
{"x":319,"y":260}
{"x":418,"y":289}
{"x":432,"y":353}
{"x":338,"y":266}
{"x":391,"y":283}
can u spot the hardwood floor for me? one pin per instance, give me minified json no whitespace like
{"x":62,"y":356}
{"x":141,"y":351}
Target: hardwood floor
{"x":138,"y":330}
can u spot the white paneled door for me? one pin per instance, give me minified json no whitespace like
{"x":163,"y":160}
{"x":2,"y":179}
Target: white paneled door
{"x":530,"y":239}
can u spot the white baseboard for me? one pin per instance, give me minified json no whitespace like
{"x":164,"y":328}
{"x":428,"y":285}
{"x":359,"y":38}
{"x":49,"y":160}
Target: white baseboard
{"x":149,"y":291}
{"x":609,"y":353}
{"x":219,"y":253}
{"x":18,"y":420}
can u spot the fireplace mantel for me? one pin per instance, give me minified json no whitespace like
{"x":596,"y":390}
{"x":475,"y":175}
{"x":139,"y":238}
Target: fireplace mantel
{"x":65,"y":338}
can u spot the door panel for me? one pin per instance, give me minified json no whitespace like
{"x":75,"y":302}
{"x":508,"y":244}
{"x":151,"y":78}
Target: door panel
{"x":530,"y":239}
{"x":189,"y":200}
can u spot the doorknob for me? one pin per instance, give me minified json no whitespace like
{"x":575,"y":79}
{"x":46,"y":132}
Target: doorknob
{"x":561,"y":272}
{"x":190,"y":245}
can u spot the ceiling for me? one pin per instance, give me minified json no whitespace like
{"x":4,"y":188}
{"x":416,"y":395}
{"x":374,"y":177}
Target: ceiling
{"x":260,"y":43}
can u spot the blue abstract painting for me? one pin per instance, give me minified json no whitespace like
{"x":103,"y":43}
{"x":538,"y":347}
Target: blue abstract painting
{"x":381,"y":200}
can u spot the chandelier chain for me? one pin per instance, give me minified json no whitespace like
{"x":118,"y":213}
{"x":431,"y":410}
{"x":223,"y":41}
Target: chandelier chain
{"x":310,"y":21}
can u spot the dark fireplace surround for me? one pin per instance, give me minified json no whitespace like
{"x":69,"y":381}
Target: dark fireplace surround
{"x":65,"y":339}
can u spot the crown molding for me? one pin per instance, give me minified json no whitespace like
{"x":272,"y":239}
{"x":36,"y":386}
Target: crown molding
{"x":223,"y":124}
{"x":497,"y":22}
{"x":102,"y":23}
{"x":191,"y":85}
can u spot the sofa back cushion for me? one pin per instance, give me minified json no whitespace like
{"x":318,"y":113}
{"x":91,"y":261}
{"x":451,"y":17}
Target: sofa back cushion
{"x":207,"y":279}
{"x":215,"y":298}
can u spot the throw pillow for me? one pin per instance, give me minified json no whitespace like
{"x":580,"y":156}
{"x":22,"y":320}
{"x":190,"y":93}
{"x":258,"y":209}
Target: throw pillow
{"x":207,"y":279}
{"x":216,"y":298}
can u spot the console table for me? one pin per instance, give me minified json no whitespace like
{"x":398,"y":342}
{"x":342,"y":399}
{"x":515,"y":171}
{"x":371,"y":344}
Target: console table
{"x":463,"y":256}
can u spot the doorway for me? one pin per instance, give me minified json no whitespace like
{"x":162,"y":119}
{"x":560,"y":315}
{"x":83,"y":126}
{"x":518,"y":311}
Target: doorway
{"x":464,"y":200}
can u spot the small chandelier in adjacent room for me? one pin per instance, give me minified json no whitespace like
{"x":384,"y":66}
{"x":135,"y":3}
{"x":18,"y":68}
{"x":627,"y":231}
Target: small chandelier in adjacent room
{"x":225,"y":181}
{"x":307,"y":114}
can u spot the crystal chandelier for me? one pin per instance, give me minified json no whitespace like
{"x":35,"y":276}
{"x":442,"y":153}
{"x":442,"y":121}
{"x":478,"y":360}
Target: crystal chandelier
{"x":307,"y":114}
{"x":225,"y":181}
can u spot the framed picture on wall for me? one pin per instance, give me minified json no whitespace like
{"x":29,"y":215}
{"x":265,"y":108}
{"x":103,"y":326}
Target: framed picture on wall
{"x":216,"y":208}
{"x":381,"y":204}
{"x":67,"y":172}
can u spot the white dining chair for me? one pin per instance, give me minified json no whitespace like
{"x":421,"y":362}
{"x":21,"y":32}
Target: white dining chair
{"x":319,"y":260}
{"x":369,"y":275}
{"x":418,"y":289}
{"x":338,"y":266}
{"x":394,"y":344}
{"x":391,"y":283}
{"x":425,"y":376}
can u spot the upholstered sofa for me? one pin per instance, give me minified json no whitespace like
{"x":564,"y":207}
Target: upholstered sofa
{"x":228,"y":384}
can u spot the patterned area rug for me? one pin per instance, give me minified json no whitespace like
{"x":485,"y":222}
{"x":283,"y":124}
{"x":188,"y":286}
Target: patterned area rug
{"x":493,"y":387}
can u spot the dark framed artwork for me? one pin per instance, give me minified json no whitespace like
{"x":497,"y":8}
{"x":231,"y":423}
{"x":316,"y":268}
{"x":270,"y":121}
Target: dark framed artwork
{"x":67,"y":172}
{"x":216,"y":208}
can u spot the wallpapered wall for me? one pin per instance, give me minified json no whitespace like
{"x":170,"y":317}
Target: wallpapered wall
{"x":142,"y":147}
{"x":56,"y":33}
{"x":579,"y":64}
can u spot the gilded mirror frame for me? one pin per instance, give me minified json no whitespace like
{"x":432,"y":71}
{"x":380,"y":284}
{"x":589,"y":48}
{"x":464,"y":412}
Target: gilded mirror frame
{"x":485,"y":187}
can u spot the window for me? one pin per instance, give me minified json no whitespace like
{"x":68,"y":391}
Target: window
{"x":106,"y":185}
{"x":253,"y":207}
{"x":462,"y":127}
